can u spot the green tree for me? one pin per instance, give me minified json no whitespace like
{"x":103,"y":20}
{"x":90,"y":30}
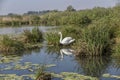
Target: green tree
{"x":70,"y":8}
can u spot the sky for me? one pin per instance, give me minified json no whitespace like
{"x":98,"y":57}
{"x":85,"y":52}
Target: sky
{"x":22,"y":6}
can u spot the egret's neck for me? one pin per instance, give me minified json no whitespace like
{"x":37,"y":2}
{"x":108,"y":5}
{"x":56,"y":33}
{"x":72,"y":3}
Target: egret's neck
{"x":60,"y":38}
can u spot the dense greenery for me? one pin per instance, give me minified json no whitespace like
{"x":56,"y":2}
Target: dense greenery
{"x":96,"y":30}
{"x":10,"y":45}
{"x":52,"y":38}
{"x":95,"y":40}
{"x":33,"y":36}
{"x":68,"y":17}
{"x":27,"y":40}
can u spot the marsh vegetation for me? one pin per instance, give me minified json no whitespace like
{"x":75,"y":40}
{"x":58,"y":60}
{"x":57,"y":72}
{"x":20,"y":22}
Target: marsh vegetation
{"x":96,"y":31}
{"x":27,"y":40}
{"x":97,"y":36}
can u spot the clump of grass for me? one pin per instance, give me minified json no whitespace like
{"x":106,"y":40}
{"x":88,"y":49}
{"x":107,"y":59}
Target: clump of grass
{"x":52,"y":38}
{"x":94,"y":40}
{"x":116,"y":50}
{"x":42,"y":75}
{"x":72,"y":31}
{"x":33,"y":36}
{"x":10,"y":45}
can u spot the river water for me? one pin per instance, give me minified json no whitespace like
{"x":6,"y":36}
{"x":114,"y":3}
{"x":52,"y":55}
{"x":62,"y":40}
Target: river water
{"x":91,"y":66}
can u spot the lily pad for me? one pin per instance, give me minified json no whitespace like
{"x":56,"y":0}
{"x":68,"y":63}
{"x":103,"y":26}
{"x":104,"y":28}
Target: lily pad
{"x":107,"y":75}
{"x":73,"y":76}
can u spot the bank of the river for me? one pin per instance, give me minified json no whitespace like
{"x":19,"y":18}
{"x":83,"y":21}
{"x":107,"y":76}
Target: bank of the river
{"x":26,"y":40}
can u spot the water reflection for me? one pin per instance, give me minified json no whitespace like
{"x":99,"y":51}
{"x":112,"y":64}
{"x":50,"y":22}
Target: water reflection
{"x":116,"y":63}
{"x":67,"y":52}
{"x":93,"y":66}
{"x":52,"y":50}
{"x":22,"y":53}
{"x":60,"y":52}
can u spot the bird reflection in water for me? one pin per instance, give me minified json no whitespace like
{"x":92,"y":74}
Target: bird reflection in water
{"x":67,"y":52}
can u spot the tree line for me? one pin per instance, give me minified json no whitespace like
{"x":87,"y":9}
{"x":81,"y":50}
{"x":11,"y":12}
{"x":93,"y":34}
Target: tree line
{"x":70,"y":16}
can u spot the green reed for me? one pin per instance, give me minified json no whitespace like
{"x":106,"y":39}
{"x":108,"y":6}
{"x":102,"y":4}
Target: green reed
{"x":52,"y":38}
{"x":95,"y":40}
{"x":33,"y":36}
{"x":10,"y":45}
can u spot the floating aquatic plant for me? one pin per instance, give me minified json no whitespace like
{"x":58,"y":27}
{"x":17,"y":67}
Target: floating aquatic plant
{"x":73,"y":76}
{"x":107,"y":75}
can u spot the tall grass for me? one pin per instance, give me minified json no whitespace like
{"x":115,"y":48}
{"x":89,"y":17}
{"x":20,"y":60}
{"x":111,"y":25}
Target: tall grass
{"x":33,"y":36}
{"x":10,"y":45}
{"x":116,"y":51}
{"x":95,"y":40}
{"x":72,"y":31}
{"x":52,"y":38}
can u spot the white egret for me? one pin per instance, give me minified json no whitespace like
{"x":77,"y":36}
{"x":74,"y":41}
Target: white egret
{"x":66,"y":40}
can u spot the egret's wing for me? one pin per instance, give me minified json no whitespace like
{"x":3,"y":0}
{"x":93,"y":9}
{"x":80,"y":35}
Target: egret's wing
{"x":66,"y":39}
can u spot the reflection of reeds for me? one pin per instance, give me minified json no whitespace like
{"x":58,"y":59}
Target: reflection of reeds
{"x":52,"y":51}
{"x":116,"y":63}
{"x":93,"y":66}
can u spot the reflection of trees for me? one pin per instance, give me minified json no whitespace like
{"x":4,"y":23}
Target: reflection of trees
{"x":93,"y":66}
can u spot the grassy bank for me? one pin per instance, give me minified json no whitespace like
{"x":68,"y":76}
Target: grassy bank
{"x":27,"y":40}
